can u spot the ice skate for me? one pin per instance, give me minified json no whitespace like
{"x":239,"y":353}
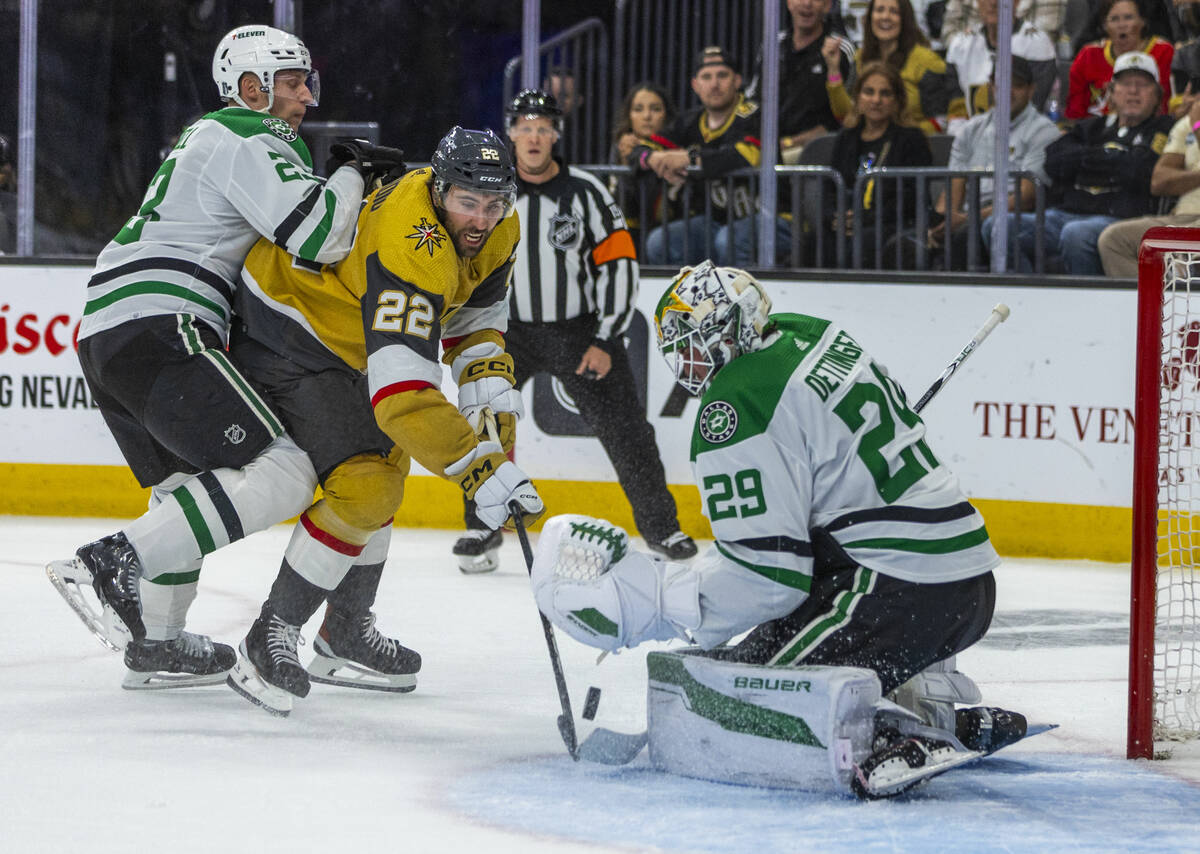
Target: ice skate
{"x":478,"y":551}
{"x":676,"y":546}
{"x":987,"y":729}
{"x":186,"y":661}
{"x":268,"y":671}
{"x":899,"y":766}
{"x":110,"y":567}
{"x":351,"y":652}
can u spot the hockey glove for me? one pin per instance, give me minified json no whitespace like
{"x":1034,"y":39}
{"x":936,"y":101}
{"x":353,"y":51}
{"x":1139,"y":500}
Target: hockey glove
{"x":484,"y":374}
{"x":372,"y":161}
{"x":493,"y":483}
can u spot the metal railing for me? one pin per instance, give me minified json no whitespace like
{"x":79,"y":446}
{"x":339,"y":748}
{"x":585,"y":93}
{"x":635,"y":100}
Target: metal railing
{"x":581,"y":50}
{"x":808,"y":199}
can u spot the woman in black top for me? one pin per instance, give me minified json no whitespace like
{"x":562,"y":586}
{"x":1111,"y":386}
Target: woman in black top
{"x":874,"y":137}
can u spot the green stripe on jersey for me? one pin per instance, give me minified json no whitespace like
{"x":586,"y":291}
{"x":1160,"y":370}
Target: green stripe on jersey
{"x":843,"y":606}
{"x":172,"y":579}
{"x":265,"y":415}
{"x":787,"y":577}
{"x":595,"y":621}
{"x":247,"y":123}
{"x":926,"y":547}
{"x":311,"y":246}
{"x":753,"y":383}
{"x":162,"y":288}
{"x":195,"y":520}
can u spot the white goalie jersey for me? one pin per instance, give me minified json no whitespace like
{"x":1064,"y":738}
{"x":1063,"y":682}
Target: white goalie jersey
{"x":807,"y":450}
{"x":234,"y":175}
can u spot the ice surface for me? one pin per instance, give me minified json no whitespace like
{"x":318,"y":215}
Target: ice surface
{"x":472,"y":759}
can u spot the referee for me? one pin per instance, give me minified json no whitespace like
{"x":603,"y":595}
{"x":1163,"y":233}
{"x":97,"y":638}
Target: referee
{"x":573,"y":294}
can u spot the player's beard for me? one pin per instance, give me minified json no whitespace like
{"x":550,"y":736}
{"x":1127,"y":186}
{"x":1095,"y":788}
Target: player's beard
{"x":465,"y":249}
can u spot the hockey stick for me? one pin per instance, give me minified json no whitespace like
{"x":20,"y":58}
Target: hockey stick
{"x":566,"y":721}
{"x":999,"y":315}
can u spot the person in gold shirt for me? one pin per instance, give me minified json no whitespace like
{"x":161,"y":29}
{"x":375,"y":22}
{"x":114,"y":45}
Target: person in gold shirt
{"x":349,"y":354}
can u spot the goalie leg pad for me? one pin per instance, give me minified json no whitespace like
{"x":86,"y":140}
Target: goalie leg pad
{"x":933,"y":692}
{"x":793,"y":727}
{"x":589,"y":585}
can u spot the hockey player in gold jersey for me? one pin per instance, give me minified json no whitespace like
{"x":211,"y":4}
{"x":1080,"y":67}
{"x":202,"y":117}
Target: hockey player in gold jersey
{"x":350,"y":356}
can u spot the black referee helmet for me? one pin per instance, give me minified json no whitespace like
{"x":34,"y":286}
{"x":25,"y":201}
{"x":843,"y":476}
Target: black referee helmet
{"x":533,"y":102}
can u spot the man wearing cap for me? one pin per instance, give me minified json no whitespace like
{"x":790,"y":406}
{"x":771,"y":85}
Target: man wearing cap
{"x":1101,"y":170}
{"x":720,"y":136}
{"x":1029,"y":134}
{"x":1177,"y":173}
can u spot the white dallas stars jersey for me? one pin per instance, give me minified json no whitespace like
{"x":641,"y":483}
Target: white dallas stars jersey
{"x":810,"y":433}
{"x":234,"y":175}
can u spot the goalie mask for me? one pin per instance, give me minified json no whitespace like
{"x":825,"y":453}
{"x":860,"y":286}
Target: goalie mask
{"x":708,"y":316}
{"x":261,"y":50}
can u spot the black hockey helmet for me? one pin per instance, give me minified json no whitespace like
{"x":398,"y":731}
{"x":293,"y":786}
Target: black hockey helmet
{"x":533,"y":102}
{"x":474,"y":160}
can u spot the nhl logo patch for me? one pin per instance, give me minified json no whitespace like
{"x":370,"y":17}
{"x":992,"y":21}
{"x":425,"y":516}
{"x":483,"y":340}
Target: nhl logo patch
{"x":235,"y":434}
{"x":565,"y":232}
{"x":280,"y":128}
{"x":718,"y":422}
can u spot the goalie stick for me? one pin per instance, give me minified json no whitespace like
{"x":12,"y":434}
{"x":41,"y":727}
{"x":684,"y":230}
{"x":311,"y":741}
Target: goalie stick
{"x":566,"y":720}
{"x":999,"y":314}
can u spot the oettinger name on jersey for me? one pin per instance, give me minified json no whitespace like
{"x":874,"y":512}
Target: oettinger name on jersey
{"x":718,"y":422}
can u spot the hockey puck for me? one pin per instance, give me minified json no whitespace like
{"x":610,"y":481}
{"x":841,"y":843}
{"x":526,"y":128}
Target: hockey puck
{"x":591,"y":703}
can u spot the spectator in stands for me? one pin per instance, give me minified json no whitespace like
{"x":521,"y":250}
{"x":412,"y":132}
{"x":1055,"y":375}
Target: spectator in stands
{"x":892,"y":36}
{"x":965,"y":16}
{"x":8,"y":198}
{"x":1102,"y":168}
{"x":708,"y":143}
{"x":974,"y":147}
{"x":1185,"y":77}
{"x":876,"y":135}
{"x":804,"y":109}
{"x":562,"y":84}
{"x":1125,"y":32}
{"x":1177,"y":173}
{"x":645,"y":112}
{"x":972,"y":54}
{"x":1083,"y":21}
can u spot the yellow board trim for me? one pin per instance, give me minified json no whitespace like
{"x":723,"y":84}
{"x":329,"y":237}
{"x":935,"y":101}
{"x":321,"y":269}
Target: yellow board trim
{"x":1017,"y":528}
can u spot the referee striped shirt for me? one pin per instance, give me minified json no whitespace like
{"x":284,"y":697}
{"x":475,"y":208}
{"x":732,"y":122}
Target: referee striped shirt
{"x":576,"y":256}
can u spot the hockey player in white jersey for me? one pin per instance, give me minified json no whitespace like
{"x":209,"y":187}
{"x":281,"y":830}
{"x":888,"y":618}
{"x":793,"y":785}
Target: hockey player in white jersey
{"x":841,"y":539}
{"x":152,"y":346}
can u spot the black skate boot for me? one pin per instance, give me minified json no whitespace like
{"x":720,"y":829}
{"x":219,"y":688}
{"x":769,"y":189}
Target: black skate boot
{"x":185,"y":661}
{"x":351,"y":652}
{"x":902,"y":764}
{"x":478,"y":551}
{"x":676,"y":546}
{"x":987,"y":729}
{"x":115,"y":570}
{"x":268,"y":671}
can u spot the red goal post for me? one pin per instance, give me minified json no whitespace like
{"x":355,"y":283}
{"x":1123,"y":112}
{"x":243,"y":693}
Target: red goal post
{"x":1164,"y":629}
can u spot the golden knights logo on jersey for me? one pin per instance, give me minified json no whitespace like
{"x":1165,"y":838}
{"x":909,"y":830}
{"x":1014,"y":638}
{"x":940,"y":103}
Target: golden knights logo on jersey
{"x":565,"y":231}
{"x":427,"y":234}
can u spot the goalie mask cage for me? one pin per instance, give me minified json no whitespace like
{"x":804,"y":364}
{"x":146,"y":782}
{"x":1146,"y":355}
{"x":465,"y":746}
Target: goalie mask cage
{"x":1164,"y":656}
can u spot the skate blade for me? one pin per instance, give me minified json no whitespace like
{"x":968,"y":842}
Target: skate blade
{"x":244,"y":679}
{"x":896,"y":777}
{"x":73,"y":582}
{"x":160,"y":680}
{"x":347,"y":674}
{"x":478,"y":564}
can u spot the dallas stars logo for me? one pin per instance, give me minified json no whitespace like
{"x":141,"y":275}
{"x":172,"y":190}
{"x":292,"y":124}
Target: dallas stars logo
{"x":718,"y":422}
{"x":671,"y":301}
{"x":427,"y":234}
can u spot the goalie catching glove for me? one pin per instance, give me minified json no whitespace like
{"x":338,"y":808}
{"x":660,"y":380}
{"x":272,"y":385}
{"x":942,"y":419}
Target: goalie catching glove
{"x":494,"y":483}
{"x":589,"y":584}
{"x":372,"y":161}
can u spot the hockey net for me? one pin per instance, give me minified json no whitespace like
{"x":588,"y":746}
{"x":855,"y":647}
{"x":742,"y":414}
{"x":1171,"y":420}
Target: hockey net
{"x":1164,"y":663}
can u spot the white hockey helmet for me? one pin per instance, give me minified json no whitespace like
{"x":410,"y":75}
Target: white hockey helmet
{"x":707,"y":317}
{"x":260,"y":50}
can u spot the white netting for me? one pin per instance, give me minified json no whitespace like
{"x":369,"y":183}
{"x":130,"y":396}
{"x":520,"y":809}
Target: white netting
{"x":1177,"y":624}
